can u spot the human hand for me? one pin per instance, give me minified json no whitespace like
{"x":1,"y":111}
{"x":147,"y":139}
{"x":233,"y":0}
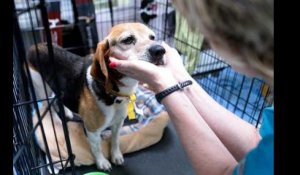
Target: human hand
{"x":175,"y":64}
{"x":157,"y":77}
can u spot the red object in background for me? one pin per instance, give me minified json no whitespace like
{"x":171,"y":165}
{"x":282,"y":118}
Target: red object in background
{"x":54,"y":17}
{"x":83,"y":1}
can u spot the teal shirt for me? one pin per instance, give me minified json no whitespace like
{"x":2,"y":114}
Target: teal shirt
{"x":260,"y":160}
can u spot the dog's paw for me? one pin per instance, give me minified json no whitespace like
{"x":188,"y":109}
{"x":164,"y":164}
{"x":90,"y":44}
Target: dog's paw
{"x":103,"y":164}
{"x":117,"y":158}
{"x":68,"y":113}
{"x":56,"y":167}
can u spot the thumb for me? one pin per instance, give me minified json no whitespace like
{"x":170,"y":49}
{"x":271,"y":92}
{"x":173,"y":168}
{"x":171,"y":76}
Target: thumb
{"x":166,"y":46}
{"x":169,"y":50}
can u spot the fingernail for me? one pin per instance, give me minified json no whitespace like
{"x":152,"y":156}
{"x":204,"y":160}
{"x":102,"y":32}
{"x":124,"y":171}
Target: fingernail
{"x":112,"y":65}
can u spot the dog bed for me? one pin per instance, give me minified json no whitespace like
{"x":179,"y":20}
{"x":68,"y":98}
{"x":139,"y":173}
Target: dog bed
{"x":147,"y":131}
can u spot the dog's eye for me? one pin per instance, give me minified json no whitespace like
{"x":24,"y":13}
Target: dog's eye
{"x":128,"y":40}
{"x":152,"y":37}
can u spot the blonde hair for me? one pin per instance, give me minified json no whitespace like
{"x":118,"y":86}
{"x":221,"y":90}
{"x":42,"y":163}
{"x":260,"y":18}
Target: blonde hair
{"x":244,"y":28}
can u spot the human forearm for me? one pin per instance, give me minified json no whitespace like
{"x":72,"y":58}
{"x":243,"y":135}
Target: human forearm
{"x":206,"y":152}
{"x":232,"y":131}
{"x":237,"y":135}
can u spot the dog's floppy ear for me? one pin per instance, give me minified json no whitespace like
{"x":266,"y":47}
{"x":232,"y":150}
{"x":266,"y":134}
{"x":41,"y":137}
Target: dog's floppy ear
{"x":99,"y":69}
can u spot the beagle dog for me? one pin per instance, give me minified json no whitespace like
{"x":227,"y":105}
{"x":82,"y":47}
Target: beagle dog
{"x":89,"y":87}
{"x":147,"y":134}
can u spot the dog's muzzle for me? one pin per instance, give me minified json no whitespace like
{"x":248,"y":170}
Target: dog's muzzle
{"x":157,"y":52}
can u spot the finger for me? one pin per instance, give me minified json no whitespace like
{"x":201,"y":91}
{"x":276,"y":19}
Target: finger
{"x":113,"y":59}
{"x":120,"y":64}
{"x":118,"y":55}
{"x":113,"y":62}
{"x":168,"y":48}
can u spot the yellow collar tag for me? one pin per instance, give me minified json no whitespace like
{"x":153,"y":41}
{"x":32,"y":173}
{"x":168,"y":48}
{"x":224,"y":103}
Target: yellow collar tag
{"x":131,"y":113}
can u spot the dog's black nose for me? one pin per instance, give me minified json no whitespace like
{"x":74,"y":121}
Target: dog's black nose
{"x":157,"y":52}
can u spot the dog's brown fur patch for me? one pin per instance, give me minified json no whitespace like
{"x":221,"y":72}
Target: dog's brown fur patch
{"x":91,"y":115}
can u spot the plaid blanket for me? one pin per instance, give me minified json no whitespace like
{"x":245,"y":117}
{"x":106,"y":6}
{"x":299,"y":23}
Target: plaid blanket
{"x":146,"y":109}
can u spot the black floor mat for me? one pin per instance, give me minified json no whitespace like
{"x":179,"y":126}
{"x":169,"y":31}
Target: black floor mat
{"x":164,"y":158}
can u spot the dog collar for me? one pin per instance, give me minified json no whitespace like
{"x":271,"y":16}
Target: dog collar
{"x":130,"y":107}
{"x":112,"y":92}
{"x":131,"y":113}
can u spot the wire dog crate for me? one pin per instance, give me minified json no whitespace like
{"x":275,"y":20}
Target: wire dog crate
{"x":78,"y":25}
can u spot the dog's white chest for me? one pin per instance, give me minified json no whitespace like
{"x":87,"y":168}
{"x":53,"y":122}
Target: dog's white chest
{"x":113,"y":113}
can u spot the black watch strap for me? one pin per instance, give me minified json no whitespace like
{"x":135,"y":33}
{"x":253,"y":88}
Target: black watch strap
{"x":159,"y":96}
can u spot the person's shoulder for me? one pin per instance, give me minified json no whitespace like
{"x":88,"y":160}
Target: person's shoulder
{"x":269,"y":111}
{"x":267,"y":127}
{"x":259,"y":161}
